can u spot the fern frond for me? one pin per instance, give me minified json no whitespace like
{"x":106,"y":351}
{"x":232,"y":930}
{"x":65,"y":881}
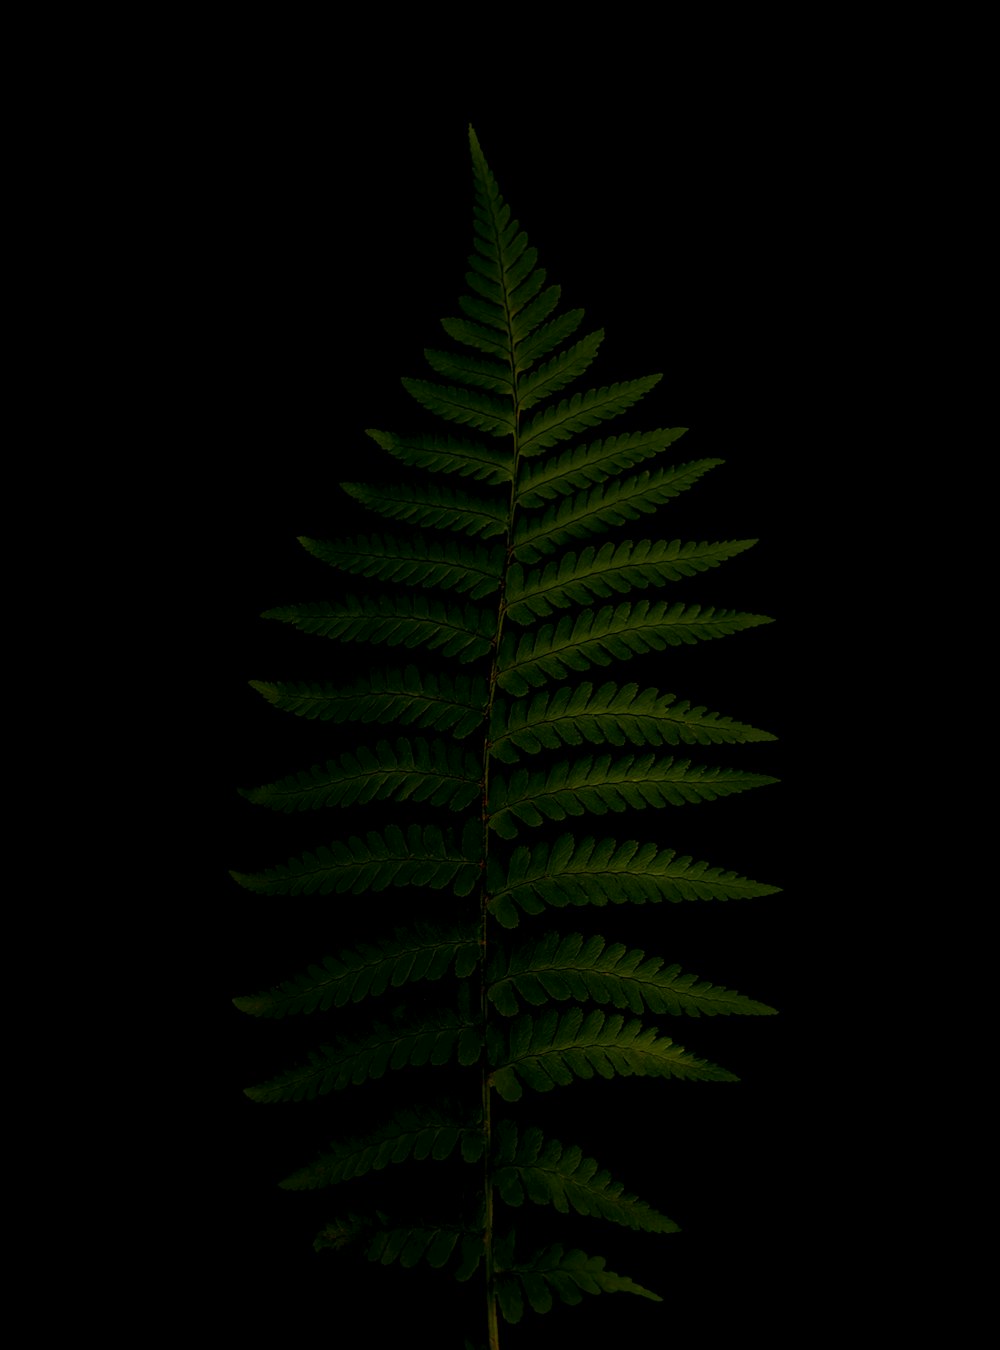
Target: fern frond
{"x":437,"y":1040}
{"x":492,"y":415}
{"x":597,"y":637}
{"x":570,"y":967}
{"x":611,"y":714}
{"x":575,"y":414}
{"x":516,"y":307}
{"x":431,"y":505}
{"x":369,"y":970}
{"x":601,"y":785}
{"x":550,"y":1174}
{"x":606,"y":504}
{"x":417,"y":1134}
{"x":570,"y":1275}
{"x":424,"y":857}
{"x":475,"y":335}
{"x":483,"y":373}
{"x":581,"y":465}
{"x":485,"y":311}
{"x":633,"y":564}
{"x":406,"y":1244}
{"x":409,"y":1245}
{"x":422,"y":560}
{"x":470,"y":459}
{"x":398,"y":621}
{"x":557,"y":1047}
{"x":418,"y":771}
{"x":444,"y":703}
{"x":564,"y":367}
{"x":559,"y":1007}
{"x":546,"y":339}
{"x":590,"y":872}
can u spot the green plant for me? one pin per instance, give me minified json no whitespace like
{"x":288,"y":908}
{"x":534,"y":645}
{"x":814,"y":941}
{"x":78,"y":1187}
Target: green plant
{"x":507,"y":746}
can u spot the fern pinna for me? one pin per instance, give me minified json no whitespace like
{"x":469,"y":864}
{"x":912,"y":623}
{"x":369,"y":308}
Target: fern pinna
{"x":509,"y":734}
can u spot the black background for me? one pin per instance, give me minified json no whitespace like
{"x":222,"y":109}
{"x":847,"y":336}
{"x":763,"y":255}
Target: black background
{"x":323,"y":252}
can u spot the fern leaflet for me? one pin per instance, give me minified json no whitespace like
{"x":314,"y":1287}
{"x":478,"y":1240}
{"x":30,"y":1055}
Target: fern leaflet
{"x":572,"y":716}
{"x":570,"y":967}
{"x":456,"y":704}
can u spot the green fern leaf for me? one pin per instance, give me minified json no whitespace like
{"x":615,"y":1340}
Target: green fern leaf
{"x":420,"y":561}
{"x":581,"y":411}
{"x":445,"y":455}
{"x":410,"y":771}
{"x":436,"y":1039}
{"x":424,"y":857}
{"x":587,"y":872}
{"x":558,"y":1047}
{"x":417,"y":1134}
{"x":484,"y":374}
{"x":549,"y":1174}
{"x":606,"y":504}
{"x":476,"y":336}
{"x":410,"y":1245}
{"x":517,"y":1014}
{"x":570,"y":967}
{"x":484,"y":311}
{"x":600,"y":785}
{"x":630,"y":565}
{"x":564,"y":367}
{"x":597,"y":637}
{"x":400,"y":621}
{"x":579,"y":466}
{"x":546,"y":339}
{"x":481,"y":411}
{"x":611,"y":714}
{"x":444,"y":703}
{"x":433,"y":506}
{"x":387,"y":1242}
{"x":369,"y":970}
{"x":570,"y":1275}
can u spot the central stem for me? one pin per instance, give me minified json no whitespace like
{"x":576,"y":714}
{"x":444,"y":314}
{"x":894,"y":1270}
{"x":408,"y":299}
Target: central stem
{"x":492,"y":1316}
